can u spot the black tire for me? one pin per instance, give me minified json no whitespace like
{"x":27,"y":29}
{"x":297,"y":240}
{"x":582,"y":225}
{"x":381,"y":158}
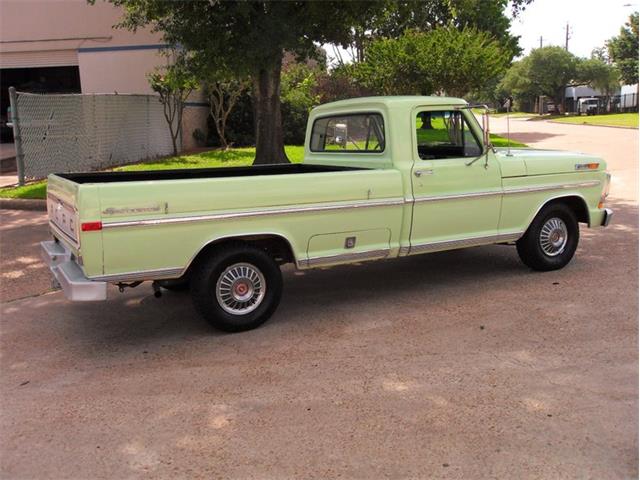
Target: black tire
{"x":212,"y":268}
{"x":530,"y":246}
{"x":175,"y":284}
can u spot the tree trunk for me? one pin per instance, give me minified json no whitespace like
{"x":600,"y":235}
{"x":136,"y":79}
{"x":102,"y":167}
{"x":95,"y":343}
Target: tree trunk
{"x":426,"y":121}
{"x":268,"y":115}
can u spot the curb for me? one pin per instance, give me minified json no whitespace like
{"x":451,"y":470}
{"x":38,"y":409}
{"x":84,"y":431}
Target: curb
{"x":23,"y":204}
{"x":592,"y":125}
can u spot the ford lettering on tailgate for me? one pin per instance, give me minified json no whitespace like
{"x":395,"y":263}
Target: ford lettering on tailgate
{"x":64,"y":217}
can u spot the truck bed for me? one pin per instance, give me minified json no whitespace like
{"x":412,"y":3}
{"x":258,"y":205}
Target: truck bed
{"x":195,"y":173}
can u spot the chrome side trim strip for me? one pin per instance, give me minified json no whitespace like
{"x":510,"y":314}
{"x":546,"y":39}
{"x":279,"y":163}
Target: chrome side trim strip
{"x":463,"y":242}
{"x":559,"y":186}
{"x":258,"y":213}
{"x":346,"y":257}
{"x":489,"y":193}
{"x":506,"y":191}
{"x":141,"y":275}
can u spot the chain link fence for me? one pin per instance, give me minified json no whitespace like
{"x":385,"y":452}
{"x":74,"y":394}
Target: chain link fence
{"x":58,"y":133}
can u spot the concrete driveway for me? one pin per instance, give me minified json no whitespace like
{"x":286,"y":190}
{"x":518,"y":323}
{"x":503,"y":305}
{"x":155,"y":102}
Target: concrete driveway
{"x":451,"y":365}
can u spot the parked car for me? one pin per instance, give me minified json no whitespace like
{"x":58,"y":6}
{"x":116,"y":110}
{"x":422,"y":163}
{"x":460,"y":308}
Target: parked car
{"x":395,"y":187}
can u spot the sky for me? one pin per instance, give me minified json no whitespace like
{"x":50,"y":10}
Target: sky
{"x":591,"y":23}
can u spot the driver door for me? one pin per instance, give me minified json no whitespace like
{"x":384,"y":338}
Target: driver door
{"x":457,"y":188}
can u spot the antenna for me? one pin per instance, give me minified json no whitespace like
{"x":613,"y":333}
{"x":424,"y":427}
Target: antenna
{"x":508,"y":105}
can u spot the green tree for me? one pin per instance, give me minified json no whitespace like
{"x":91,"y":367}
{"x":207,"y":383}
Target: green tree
{"x":551,"y":70}
{"x":250,"y":38}
{"x":623,"y":50}
{"x":545,"y":71}
{"x":173,"y":84}
{"x":223,"y":93}
{"x":425,"y":15}
{"x":444,"y":60}
{"x":598,"y":75}
{"x":516,"y":83}
{"x":299,"y":96}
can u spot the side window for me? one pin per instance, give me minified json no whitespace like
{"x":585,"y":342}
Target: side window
{"x":445,"y":134}
{"x":348,"y":133}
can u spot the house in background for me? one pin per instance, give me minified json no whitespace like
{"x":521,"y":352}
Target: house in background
{"x":72,"y":47}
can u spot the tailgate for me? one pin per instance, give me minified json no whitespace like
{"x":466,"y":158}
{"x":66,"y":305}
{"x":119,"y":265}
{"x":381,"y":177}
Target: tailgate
{"x":62,"y":196}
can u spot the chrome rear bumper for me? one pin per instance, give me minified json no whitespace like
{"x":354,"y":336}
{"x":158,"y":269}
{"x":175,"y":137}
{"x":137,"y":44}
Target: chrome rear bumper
{"x":69,"y":275}
{"x":608,"y":214}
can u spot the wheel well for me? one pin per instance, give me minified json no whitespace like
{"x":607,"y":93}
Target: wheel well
{"x":576,"y":204}
{"x":276,"y":246}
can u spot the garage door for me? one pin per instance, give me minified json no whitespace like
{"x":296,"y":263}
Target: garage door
{"x":39,"y":58}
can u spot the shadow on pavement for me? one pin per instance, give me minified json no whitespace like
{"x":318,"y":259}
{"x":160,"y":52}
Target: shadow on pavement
{"x":528,"y":137}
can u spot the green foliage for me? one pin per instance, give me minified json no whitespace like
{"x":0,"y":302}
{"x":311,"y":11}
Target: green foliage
{"x":442,"y":60}
{"x":598,"y":74}
{"x":545,"y":71}
{"x":629,"y":120}
{"x":36,"y":190}
{"x":623,"y":50}
{"x":425,"y":15}
{"x":249,"y":38}
{"x":240,"y":126}
{"x":233,"y":157}
{"x":174,"y":84}
{"x":549,"y":70}
{"x":199,"y":136}
{"x":299,"y":96}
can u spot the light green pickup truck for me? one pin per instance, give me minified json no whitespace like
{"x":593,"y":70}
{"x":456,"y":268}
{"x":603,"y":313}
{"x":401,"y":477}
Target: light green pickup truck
{"x":382,"y":177}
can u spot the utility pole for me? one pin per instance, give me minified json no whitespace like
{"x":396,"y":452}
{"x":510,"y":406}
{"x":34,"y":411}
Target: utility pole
{"x":566,"y":38}
{"x":540,"y":41}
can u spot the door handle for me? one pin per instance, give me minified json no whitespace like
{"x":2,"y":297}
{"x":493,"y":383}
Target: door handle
{"x":419,"y":173}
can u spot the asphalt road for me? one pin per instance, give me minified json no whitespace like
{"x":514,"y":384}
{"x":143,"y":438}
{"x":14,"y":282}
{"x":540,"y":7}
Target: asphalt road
{"x":450,"y":365}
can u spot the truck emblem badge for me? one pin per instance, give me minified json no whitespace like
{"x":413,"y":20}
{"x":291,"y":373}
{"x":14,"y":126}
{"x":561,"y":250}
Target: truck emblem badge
{"x":350,"y":242}
{"x":129,"y":210}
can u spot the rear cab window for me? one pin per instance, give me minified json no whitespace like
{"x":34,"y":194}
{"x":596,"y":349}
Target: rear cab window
{"x":445,"y":134}
{"x":352,"y":133}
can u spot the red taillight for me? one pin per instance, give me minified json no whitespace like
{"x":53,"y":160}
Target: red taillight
{"x":91,"y":226}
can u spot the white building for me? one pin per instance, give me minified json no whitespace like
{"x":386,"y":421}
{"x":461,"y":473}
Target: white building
{"x":70,"y":46}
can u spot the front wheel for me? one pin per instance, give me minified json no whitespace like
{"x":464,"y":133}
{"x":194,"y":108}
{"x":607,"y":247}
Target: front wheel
{"x":236,"y":288}
{"x":551,"y":240}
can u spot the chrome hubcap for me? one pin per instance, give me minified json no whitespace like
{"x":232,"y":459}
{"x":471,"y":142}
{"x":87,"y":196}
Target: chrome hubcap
{"x":553,"y":237}
{"x":240,"y":289}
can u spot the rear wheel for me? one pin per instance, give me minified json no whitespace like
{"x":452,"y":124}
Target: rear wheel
{"x":236,"y":288}
{"x":551,"y":240}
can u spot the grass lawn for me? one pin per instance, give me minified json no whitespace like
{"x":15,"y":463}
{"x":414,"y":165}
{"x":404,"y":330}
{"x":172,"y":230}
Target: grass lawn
{"x":512,"y":114}
{"x":236,"y":157}
{"x":613,"y":119}
{"x":499,"y":141}
{"x":480,"y":111}
{"x":35,"y":190}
